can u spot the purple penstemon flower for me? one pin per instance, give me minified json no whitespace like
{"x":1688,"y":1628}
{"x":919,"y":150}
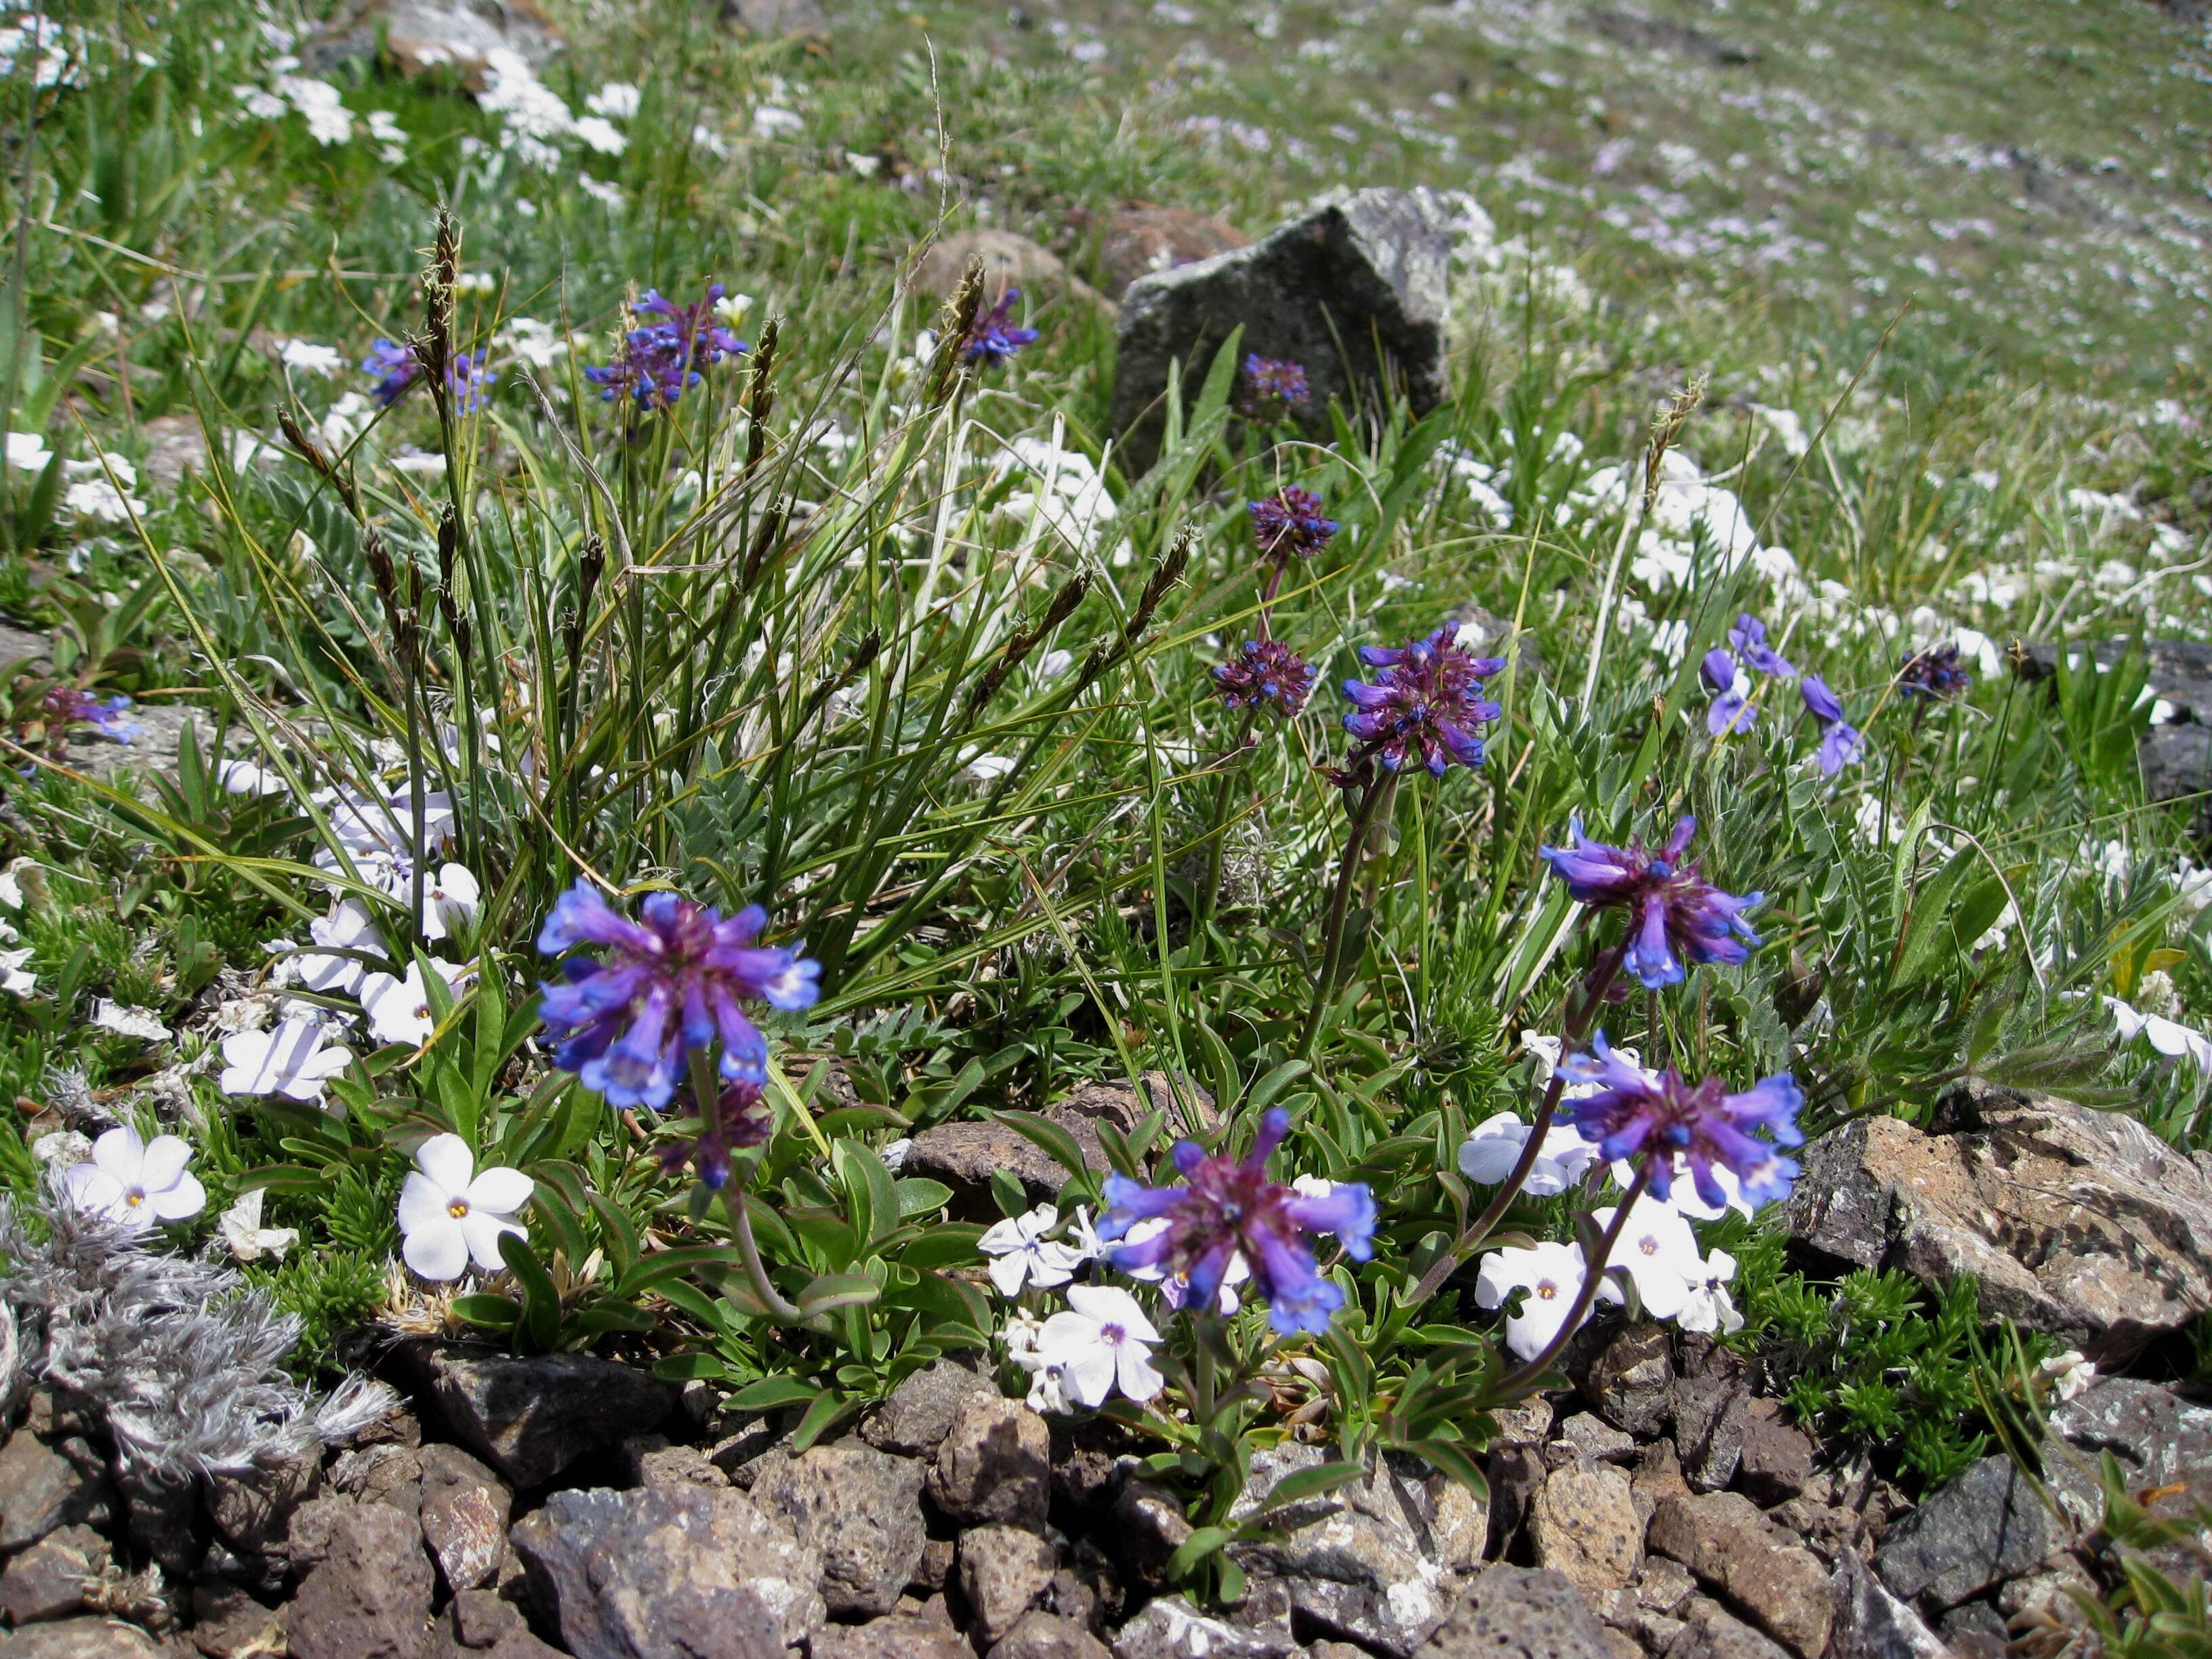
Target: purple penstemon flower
{"x":66,"y":705}
{"x":1290,"y":523}
{"x":1731,"y":711}
{"x":1671,"y":906}
{"x":1266,"y":673}
{"x":1424,"y":704}
{"x":1657,"y":1117}
{"x":658,"y":362}
{"x":1226,"y":1206}
{"x":1273,"y":388}
{"x":992,"y":337}
{"x":671,"y":981}
{"x":1840,"y":741}
{"x":1935,"y":674}
{"x":1748,"y":636}
{"x":738,"y":1117}
{"x":397,"y":368}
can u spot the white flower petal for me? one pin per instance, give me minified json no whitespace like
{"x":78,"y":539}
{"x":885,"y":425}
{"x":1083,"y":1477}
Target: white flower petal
{"x":439,"y":1250}
{"x":449,"y":1164}
{"x":501,"y":1190}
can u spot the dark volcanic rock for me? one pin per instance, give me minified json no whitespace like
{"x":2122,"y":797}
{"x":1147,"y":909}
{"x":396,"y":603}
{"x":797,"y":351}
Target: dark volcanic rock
{"x":903,"y":1636}
{"x":1631,"y":1383}
{"x":2080,"y":1224}
{"x":2162,"y":1442}
{"x":463,"y":1516}
{"x":919,"y":1413}
{"x":1985,"y":1526}
{"x":1518,"y":1612}
{"x":860,"y":1509}
{"x":669,"y":1573}
{"x":996,"y":1465}
{"x":370,"y":1599}
{"x":1047,"y":1635}
{"x":42,"y":1490}
{"x":85,"y":1639}
{"x":46,"y":1581}
{"x":1325,"y":291}
{"x":1872,"y":1624}
{"x":532,"y":1418}
{"x":1723,"y":1539}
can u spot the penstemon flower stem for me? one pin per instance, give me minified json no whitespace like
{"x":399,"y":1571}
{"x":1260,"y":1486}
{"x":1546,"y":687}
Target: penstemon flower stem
{"x":1576,"y":1026}
{"x":705,"y":1087}
{"x":1217,"y":833}
{"x":1340,"y":907}
{"x":1517,"y":1382}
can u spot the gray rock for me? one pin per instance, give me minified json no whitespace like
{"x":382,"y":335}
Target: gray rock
{"x":463,"y":1516}
{"x":1518,"y":1612}
{"x":903,"y":1636}
{"x":42,"y":1490}
{"x":1975,"y":1630}
{"x":1776,"y":1459}
{"x":83,"y":1639}
{"x":917,"y":1415}
{"x":422,"y":37}
{"x":1583,"y":1526}
{"x":174,"y":446}
{"x":994,"y":1465}
{"x":20,"y":651}
{"x":1588,"y":1436}
{"x":1042,"y":1635}
{"x":1872,"y":1624}
{"x":860,"y":1509}
{"x":648,"y":1460}
{"x":1662,"y":1586}
{"x":1631,"y":1383}
{"x":161,"y":736}
{"x":382,"y":1474}
{"x":1009,"y":260}
{"x":1169,"y":1627}
{"x":1727,"y":1543}
{"x":46,"y":1581}
{"x":1004,"y":1572}
{"x":778,"y":20}
{"x":531,"y":1417}
{"x":1709,"y":1630}
{"x":964,"y":1155}
{"x":370,"y":1598}
{"x":481,"y":1617}
{"x":2162,"y":1442}
{"x":1325,"y":291}
{"x":254,"y":1511}
{"x":1711,"y":1413}
{"x":1984,"y":1528}
{"x":1149,"y":1527}
{"x":668,"y":1572}
{"x":2080,"y":1224}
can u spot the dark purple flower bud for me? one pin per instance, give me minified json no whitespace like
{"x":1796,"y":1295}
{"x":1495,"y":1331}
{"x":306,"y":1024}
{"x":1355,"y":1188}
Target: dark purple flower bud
{"x":1657,"y":1117}
{"x":739,"y":1118}
{"x":1290,"y":523}
{"x":1718,"y":671}
{"x":1227,"y":1205}
{"x":1935,"y":674}
{"x":671,"y":981}
{"x":1272,"y":389}
{"x":67,"y":706}
{"x":1266,"y":673}
{"x":1424,"y":705}
{"x":1749,"y":637}
{"x":1671,"y":907}
{"x":992,"y":337}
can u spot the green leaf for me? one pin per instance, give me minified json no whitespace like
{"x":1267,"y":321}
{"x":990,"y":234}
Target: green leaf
{"x":822,"y":1416}
{"x":662,"y":1265}
{"x":1301,"y":1484}
{"x":837,"y":1290}
{"x":771,"y":1392}
{"x":1206,"y":1540}
{"x":494,"y":1313}
{"x":950,"y":1243}
{"x":1055,"y":1140}
{"x":1007,"y":1193}
{"x":541,"y":1302}
{"x":871,"y":1196}
{"x":919,"y":1195}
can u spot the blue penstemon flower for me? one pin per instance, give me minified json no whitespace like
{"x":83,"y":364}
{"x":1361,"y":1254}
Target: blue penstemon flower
{"x":1227,"y":1206}
{"x":1425,"y":704}
{"x":1671,"y":907}
{"x":672,"y":980}
{"x":1657,"y":1118}
{"x":1266,"y":673}
{"x":660,"y":361}
{"x":993,"y":338}
{"x":397,"y":367}
{"x":66,"y":706}
{"x":1290,"y":523}
{"x":1840,"y":741}
{"x":1273,"y":388}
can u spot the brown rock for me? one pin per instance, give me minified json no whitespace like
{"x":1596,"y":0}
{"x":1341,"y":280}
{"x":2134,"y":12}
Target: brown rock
{"x":1631,"y":1380}
{"x":464,"y":1515}
{"x":903,"y":1636}
{"x":228,"y":1622}
{"x":370,"y":1599}
{"x":1583,"y":1526}
{"x":1776,"y":1459}
{"x":915,"y":1417}
{"x":862,"y":1509}
{"x":1727,"y":1543}
{"x":422,"y":37}
{"x":996,"y":1465}
{"x":1046,"y":1635}
{"x":1009,"y":260}
{"x":42,"y":1490}
{"x":254,"y":1511}
{"x":46,"y":1581}
{"x":1142,"y":239}
{"x":2080,"y":1224}
{"x":1003,"y":1572}
{"x":778,"y":20}
{"x":82,"y":1638}
{"x":1709,"y":1630}
{"x":1517,"y":1613}
{"x":481,"y":1617}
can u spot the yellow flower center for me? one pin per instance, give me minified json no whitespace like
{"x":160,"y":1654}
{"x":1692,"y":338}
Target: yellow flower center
{"x":134,"y":1198}
{"x":457,"y":1208}
{"x":1547,"y":1290}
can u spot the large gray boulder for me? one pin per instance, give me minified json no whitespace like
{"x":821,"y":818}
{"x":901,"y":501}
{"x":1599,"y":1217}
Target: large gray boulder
{"x":1356,"y":291}
{"x":2081,"y":1225}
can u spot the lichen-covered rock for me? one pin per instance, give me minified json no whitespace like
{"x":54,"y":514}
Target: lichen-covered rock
{"x":1355,"y":291}
{"x":1518,"y":1612}
{"x":2163,"y":1443}
{"x":1872,"y":1624}
{"x":1583,"y":1526}
{"x":2080,"y":1224}
{"x":1169,"y":1627}
{"x":669,"y":1573}
{"x":464,"y":1515}
{"x":1987,"y":1526}
{"x":1630,"y":1382}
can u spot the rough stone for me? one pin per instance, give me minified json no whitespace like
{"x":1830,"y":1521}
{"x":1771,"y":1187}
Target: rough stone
{"x":1872,"y":1624}
{"x":1709,"y":1630}
{"x":20,"y":651}
{"x":1169,"y":1627}
{"x":1516,"y":1473}
{"x":1712,"y":1412}
{"x":903,"y":1636}
{"x":161,"y":736}
{"x":1662,"y":1586}
{"x":228,"y":1623}
{"x":994,"y":1465}
{"x":254,"y":1511}
{"x":2079,"y":1223}
{"x":42,"y":1489}
{"x":46,"y":1581}
{"x":964,"y":1155}
{"x":1325,"y":291}
{"x":159,"y":1514}
{"x":917,"y":1415}
{"x":1009,"y":259}
{"x":1043,"y":1635}
{"x":1149,"y":1527}
{"x":463,"y":1516}
{"x":1583,"y":1526}
{"x":1587,"y":1436}
{"x":531,"y":1417}
{"x":1975,"y":1630}
{"x":1985,"y":1527}
{"x":860,"y":1509}
{"x":481,"y":1617}
{"x":2162,"y":1442}
{"x":1141,"y":239}
{"x":669,"y":1573}
{"x":370,"y":1598}
{"x":383,"y":1474}
{"x":1631,"y":1383}
{"x":649,"y":1460}
{"x":421,"y":37}
{"x":778,"y":20}
{"x":174,"y":446}
{"x":1776,"y":1459}
{"x":313,"y":1524}
{"x":1004,"y":1570}
{"x":1723,"y":1539}
{"x":83,"y":1639}
{"x":1518,"y":1612}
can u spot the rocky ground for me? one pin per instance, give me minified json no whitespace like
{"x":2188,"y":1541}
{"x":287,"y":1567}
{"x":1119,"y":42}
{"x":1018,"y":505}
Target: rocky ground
{"x":1663,"y":1504}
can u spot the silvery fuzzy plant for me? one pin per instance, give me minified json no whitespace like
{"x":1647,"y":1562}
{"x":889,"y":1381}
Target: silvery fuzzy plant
{"x":183,"y":1360}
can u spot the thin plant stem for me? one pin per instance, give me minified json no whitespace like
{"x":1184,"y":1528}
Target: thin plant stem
{"x":706,"y":1091}
{"x":1516,"y":1383}
{"x":1223,"y":791}
{"x":1340,"y":906}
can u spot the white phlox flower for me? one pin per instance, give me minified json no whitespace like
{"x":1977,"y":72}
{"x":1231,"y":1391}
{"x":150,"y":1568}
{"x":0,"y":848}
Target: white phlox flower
{"x":1659,"y":1254}
{"x":137,"y":1181}
{"x":289,"y":1061}
{"x":1021,"y":1254}
{"x":1552,"y":1276}
{"x":1494,"y":1145}
{"x":249,"y":1241}
{"x":1101,"y":1343}
{"x":450,"y":1216}
{"x":398,"y":1009}
{"x":1709,"y":1308}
